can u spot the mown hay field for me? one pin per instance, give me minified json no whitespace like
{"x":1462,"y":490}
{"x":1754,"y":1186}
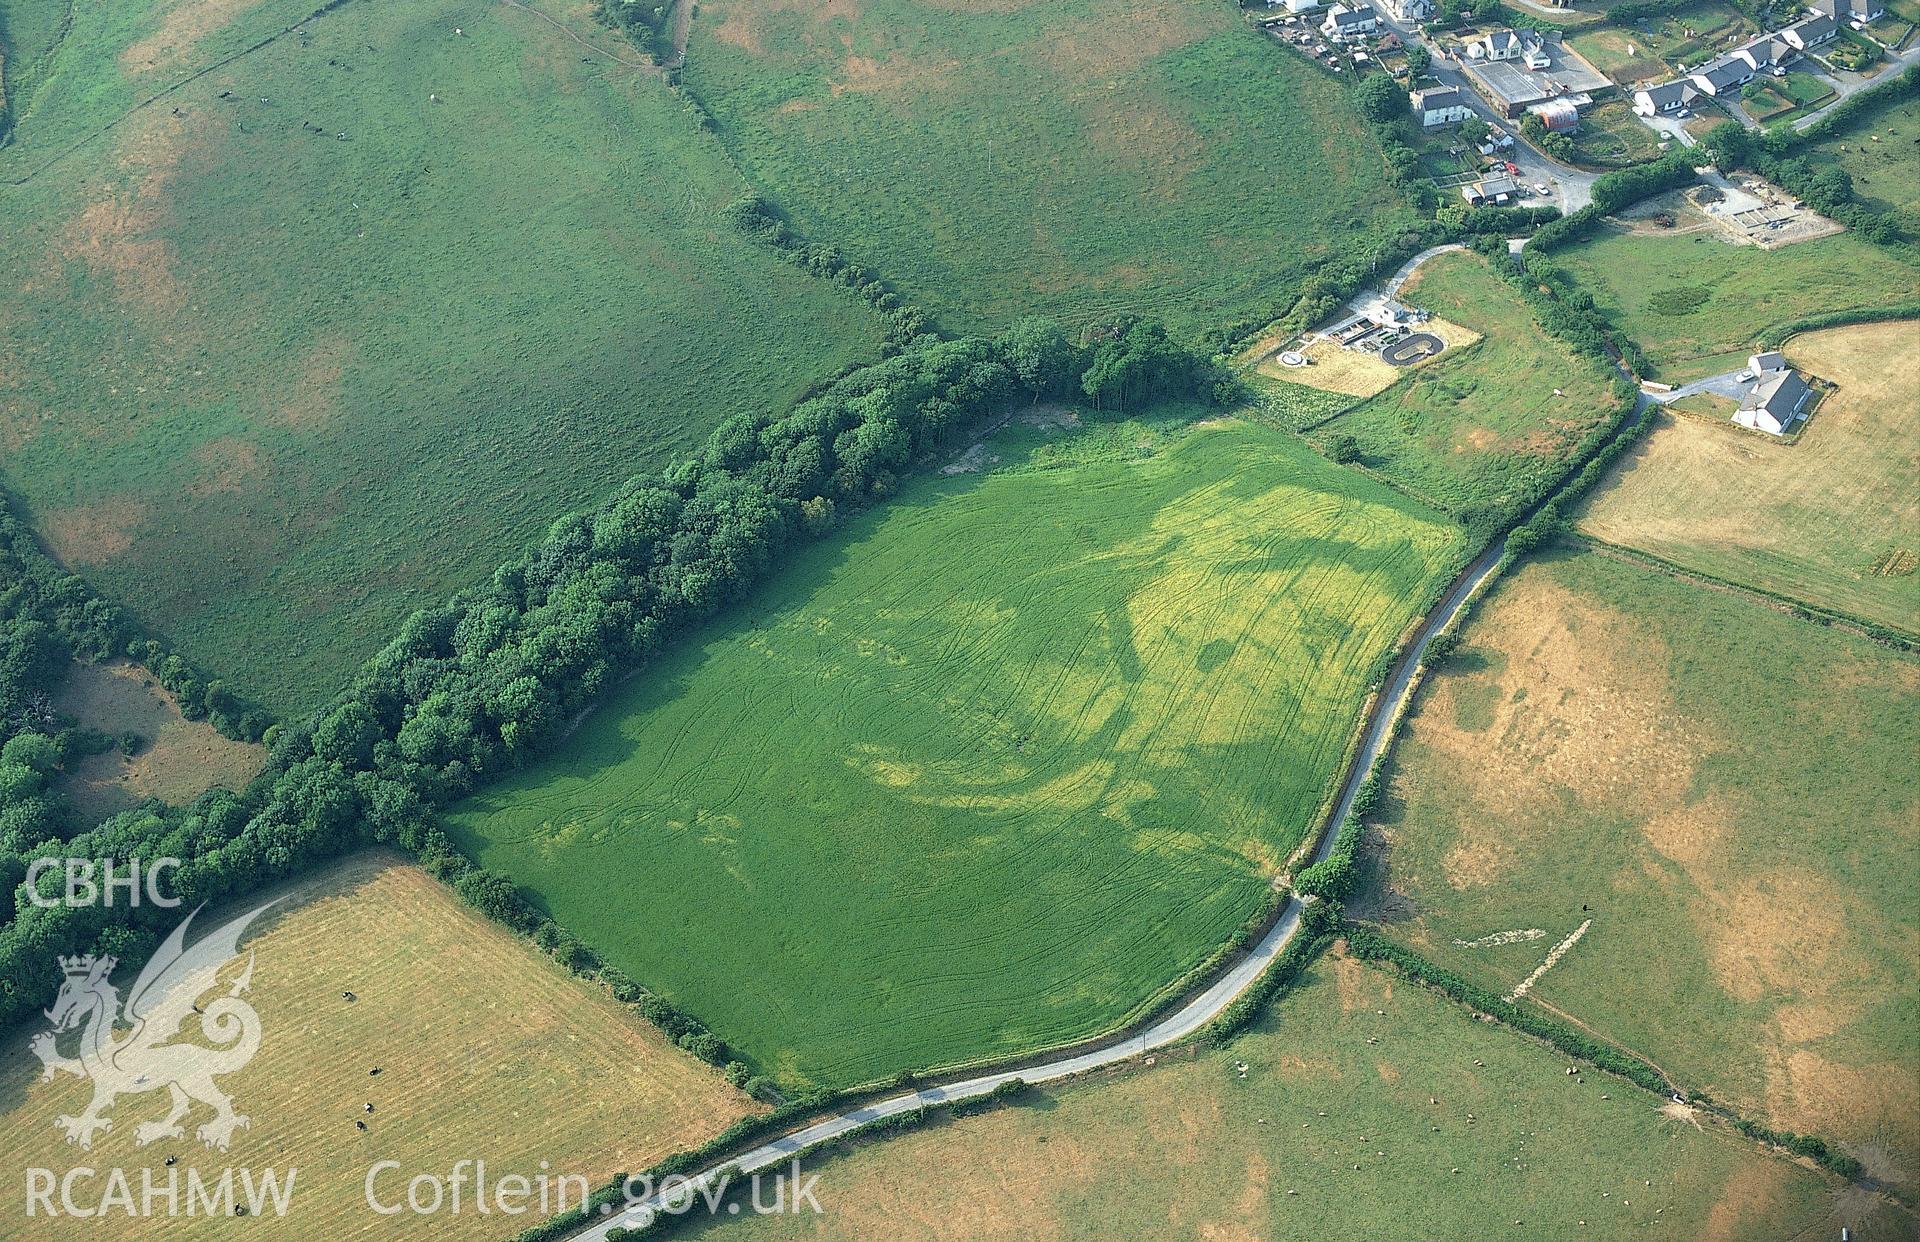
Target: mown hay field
{"x":1458,"y":1129}
{"x":1480,"y":428}
{"x":1073,"y":157}
{"x":487,"y":1050}
{"x":278,"y":369}
{"x":1831,"y":520}
{"x":991,"y":768}
{"x":1727,"y":794}
{"x":1696,"y":301}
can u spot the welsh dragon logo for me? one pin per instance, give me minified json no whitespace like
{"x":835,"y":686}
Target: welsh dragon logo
{"x":147,"y":1058}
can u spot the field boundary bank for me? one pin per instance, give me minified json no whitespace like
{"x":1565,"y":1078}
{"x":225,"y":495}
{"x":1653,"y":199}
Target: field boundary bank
{"x":329,"y":7}
{"x":1799,"y":609}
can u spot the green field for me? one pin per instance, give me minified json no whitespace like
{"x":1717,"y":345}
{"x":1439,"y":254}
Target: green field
{"x":1611,"y":135}
{"x":1076,"y":157}
{"x":1832,"y":520}
{"x":1370,"y":1108}
{"x":1480,"y":429}
{"x":992,"y":768}
{"x":1726,"y":793}
{"x":271,"y":389}
{"x":1653,"y":47}
{"x":1697,"y":304}
{"x":1882,"y":157}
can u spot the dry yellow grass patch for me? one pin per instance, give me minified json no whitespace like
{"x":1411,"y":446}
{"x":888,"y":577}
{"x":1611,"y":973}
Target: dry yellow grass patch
{"x":184,"y":24}
{"x":486,"y":1050}
{"x":181,"y":759}
{"x":1817,"y":520}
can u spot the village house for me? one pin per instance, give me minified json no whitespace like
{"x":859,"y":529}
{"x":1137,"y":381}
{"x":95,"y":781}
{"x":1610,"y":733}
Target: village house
{"x":1496,"y":141}
{"x":1811,"y":32}
{"x":1768,"y":53}
{"x":1303,"y":6}
{"x":1411,"y":10}
{"x":1773,"y":404}
{"x":1503,"y":45}
{"x":1440,"y":105}
{"x":1723,"y":75}
{"x":1668,"y":97}
{"x":1853,"y":12}
{"x":1344,"y":21}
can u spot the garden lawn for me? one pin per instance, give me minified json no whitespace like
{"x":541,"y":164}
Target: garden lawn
{"x":992,"y":767}
{"x":1479,"y":430}
{"x":1724,"y":795}
{"x":1831,"y":520}
{"x":1074,"y":157}
{"x":279,"y":369}
{"x":1360,"y":1100}
{"x":1697,"y":304}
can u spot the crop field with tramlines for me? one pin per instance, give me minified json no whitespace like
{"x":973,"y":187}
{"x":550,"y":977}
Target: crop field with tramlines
{"x":991,"y":769}
{"x":1079,"y":158}
{"x":324,"y":334}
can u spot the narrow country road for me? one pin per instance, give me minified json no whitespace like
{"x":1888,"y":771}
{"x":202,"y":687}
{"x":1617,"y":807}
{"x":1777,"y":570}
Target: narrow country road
{"x":1183,"y":1022}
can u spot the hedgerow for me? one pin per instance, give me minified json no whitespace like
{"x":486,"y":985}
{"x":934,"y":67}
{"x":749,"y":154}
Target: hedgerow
{"x":1371,"y":946}
{"x":475,"y":687}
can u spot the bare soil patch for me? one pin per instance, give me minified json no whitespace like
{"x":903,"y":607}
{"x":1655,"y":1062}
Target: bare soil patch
{"x":185,"y":23}
{"x":92,"y":534}
{"x":179,"y":760}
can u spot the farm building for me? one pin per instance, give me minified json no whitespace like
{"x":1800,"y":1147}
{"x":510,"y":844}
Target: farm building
{"x":1560,"y":116}
{"x":1440,"y":105}
{"x":1498,"y":189}
{"x":1675,"y":96}
{"x":1546,"y":69}
{"x":1772,"y":360}
{"x":1345,"y":20}
{"x":1774,"y":403}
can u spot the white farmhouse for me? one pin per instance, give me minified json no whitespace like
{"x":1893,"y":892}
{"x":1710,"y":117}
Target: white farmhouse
{"x":1773,"y":404}
{"x":1344,"y":21}
{"x":1440,"y":105}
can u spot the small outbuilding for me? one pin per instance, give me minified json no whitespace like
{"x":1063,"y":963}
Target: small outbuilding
{"x":1761,"y":364}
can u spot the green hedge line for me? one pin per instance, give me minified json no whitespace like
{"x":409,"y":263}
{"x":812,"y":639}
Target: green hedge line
{"x":1368,"y":944}
{"x":1774,"y":338}
{"x":1318,"y":919}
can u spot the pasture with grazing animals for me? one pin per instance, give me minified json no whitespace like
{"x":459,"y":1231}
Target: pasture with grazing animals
{"x":1726,"y":793}
{"x":1480,"y":429}
{"x":1831,"y":520}
{"x":1696,"y":302}
{"x":991,"y":768}
{"x":372,"y":309}
{"x":1361,"y":1106}
{"x":1075,"y":158}
{"x":485,"y":1049}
